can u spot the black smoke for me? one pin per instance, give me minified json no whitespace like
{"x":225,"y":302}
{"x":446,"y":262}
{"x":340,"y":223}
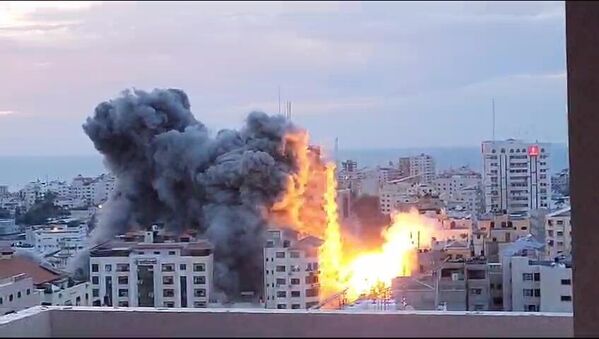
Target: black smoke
{"x":170,"y":169}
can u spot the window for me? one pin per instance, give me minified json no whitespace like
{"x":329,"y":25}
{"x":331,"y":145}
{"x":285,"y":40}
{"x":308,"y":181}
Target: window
{"x":168,"y":267}
{"x":537,"y":276}
{"x":172,"y":253}
{"x":281,"y":281}
{"x":157,"y":252}
{"x":312,"y":292}
{"x":108,"y":268}
{"x":527,"y":292}
{"x":169,"y":304}
{"x":199,"y":267}
{"x":123,"y":280}
{"x":10,"y":297}
{"x":28,"y":291}
{"x":18,"y":294}
{"x":566,"y":298}
{"x":199,"y":304}
{"x":95,"y":292}
{"x":199,"y":280}
{"x":311,"y":304}
{"x":295,"y":281}
{"x":95,"y":280}
{"x":168,"y":293}
{"x":281,"y":294}
{"x":296,"y":306}
{"x":199,"y":292}
{"x":168,"y":280}
{"x":280,"y":268}
{"x":281,"y":306}
{"x":123,"y":304}
{"x":537,"y":292}
{"x":566,"y":282}
{"x":95,"y":268}
{"x":123,"y":292}
{"x":294,"y":255}
{"x":295,"y":294}
{"x":526,"y":276}
{"x":280,"y":255}
{"x":182,"y":267}
{"x":122,"y":267}
{"x":476,"y":291}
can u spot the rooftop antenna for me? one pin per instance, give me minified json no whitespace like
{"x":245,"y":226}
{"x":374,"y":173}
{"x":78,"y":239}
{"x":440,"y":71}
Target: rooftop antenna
{"x":279,"y":99}
{"x":493,"y":110}
{"x":336,"y":152}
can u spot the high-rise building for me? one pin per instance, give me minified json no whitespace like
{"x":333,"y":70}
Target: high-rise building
{"x":516,"y":176}
{"x":159,"y":271}
{"x":291,"y":270}
{"x":558,"y":233}
{"x":422,"y":165}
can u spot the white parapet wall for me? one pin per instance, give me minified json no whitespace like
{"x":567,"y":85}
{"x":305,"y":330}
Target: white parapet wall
{"x":173,"y":322}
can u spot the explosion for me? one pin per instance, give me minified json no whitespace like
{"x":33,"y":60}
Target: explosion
{"x":349,"y":270}
{"x":233,"y":185}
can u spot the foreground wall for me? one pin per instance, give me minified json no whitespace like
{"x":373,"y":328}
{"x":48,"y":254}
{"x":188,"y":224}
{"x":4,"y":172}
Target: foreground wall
{"x":261,"y":323}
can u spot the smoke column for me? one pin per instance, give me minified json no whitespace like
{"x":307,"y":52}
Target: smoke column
{"x":170,"y":169}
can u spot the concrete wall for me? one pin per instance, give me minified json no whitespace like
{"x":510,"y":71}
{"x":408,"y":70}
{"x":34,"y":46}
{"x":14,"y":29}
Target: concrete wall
{"x":32,"y":322}
{"x":137,"y":322}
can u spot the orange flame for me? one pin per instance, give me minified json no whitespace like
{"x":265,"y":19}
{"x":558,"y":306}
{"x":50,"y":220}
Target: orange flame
{"x":309,"y":206}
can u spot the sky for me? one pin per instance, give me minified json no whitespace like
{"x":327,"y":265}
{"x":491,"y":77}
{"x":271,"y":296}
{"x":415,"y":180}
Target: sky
{"x":373,"y":74}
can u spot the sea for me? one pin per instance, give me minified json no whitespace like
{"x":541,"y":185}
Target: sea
{"x":16,"y":171}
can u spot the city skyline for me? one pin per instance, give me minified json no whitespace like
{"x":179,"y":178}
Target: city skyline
{"x":373,"y":75}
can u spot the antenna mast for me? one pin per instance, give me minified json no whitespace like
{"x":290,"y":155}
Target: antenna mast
{"x":493,"y":111}
{"x":279,"y":99}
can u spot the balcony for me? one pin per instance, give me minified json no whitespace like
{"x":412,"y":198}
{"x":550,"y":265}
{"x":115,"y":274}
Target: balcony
{"x":173,"y":322}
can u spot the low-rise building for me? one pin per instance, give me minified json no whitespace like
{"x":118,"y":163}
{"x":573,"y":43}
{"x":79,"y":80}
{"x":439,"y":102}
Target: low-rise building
{"x":50,"y":286}
{"x":152,"y":270}
{"x":291,"y":270}
{"x":558,"y":233}
{"x":16,"y":293}
{"x":536,"y":286}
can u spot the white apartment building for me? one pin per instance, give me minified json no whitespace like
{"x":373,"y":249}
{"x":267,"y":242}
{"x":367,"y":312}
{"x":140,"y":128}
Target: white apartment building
{"x":50,"y":238}
{"x":536,"y":286}
{"x":152,"y":270}
{"x":17,"y":293}
{"x":460,"y":187}
{"x":516,"y":175}
{"x":422,"y":165}
{"x":402,"y":191}
{"x":291,"y":270}
{"x":558,"y":233}
{"x":28,"y":283}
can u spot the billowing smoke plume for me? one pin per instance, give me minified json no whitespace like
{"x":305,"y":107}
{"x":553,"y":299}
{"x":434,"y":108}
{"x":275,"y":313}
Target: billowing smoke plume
{"x":170,"y":169}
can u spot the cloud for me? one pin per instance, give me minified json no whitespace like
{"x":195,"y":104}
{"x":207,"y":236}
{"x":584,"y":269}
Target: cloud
{"x":7,"y":112}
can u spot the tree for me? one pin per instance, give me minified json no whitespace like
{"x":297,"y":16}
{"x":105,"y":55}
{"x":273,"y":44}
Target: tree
{"x":42,"y":210}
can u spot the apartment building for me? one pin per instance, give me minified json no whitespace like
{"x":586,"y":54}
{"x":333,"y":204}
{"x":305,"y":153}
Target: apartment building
{"x":422,"y":165}
{"x":291,"y":270}
{"x":57,"y":237}
{"x":463,"y":285}
{"x":152,"y":270}
{"x":16,"y":293}
{"x":536,"y":285}
{"x":558,"y":233}
{"x":38,"y":283}
{"x":499,"y":231}
{"x":516,"y":175}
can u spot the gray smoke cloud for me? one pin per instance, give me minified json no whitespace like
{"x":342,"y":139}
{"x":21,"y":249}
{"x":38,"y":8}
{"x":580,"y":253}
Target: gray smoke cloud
{"x":170,"y":169}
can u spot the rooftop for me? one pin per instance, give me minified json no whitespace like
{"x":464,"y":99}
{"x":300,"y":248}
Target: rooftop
{"x":68,"y":321}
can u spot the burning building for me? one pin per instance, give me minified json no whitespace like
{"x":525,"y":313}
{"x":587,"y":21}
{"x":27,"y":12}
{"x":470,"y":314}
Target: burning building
{"x":232,"y":187}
